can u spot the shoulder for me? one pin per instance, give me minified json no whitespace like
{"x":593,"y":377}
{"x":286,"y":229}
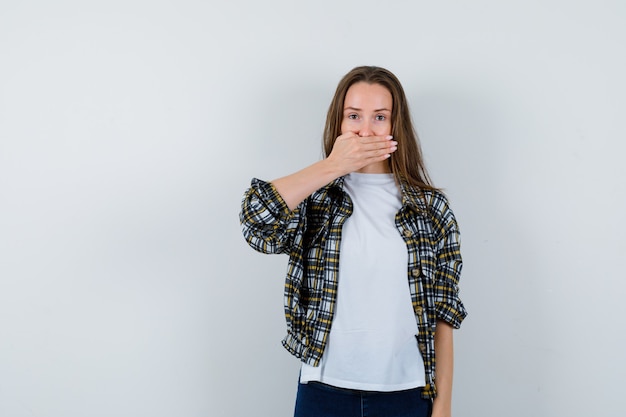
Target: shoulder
{"x":436,"y":202}
{"x":439,"y":210}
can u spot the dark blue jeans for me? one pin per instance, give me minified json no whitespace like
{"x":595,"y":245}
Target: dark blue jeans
{"x":319,"y":400}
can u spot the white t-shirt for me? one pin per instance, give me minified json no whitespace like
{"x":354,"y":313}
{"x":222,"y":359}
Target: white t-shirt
{"x":372,"y":344}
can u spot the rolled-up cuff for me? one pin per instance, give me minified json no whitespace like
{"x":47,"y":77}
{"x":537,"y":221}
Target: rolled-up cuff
{"x":271,"y":198}
{"x":453,"y":315}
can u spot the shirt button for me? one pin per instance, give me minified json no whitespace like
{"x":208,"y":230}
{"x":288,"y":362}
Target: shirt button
{"x":407,"y":233}
{"x":419,"y":311}
{"x":422,"y":347}
{"x":416,"y":272}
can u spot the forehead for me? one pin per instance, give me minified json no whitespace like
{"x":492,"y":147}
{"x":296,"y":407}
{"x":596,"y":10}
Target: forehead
{"x":365,"y":95}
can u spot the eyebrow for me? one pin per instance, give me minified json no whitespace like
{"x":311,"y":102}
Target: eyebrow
{"x":357,"y":109}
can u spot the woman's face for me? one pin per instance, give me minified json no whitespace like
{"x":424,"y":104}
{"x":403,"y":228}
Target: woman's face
{"x":367,"y":110}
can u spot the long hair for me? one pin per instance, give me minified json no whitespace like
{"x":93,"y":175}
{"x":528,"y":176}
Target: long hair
{"x":406,"y":162}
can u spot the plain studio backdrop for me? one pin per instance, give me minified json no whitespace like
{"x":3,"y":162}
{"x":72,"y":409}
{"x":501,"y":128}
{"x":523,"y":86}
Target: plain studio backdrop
{"x":129,"y":131}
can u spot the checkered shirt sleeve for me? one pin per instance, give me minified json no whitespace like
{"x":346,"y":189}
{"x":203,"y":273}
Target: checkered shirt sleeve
{"x":267,"y":223}
{"x":448,"y":305}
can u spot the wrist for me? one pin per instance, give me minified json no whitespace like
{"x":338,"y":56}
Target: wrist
{"x":331,"y":169}
{"x":441,"y":407}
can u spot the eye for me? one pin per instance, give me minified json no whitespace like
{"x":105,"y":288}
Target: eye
{"x":381,"y":117}
{"x":353,"y":116}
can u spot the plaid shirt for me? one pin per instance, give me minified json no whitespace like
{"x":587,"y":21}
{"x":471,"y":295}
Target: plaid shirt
{"x":310,"y":235}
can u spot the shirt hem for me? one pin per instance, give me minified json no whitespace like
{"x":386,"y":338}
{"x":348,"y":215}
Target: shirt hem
{"x":364,"y":386}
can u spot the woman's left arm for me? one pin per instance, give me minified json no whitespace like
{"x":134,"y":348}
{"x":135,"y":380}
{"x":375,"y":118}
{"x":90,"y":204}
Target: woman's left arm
{"x":449,"y":308}
{"x":444,"y":352}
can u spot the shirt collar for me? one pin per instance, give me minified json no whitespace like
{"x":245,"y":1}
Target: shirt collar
{"x":411,"y":196}
{"x":337,"y":183}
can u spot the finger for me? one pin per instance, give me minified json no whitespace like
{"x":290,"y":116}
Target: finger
{"x":383,"y":138}
{"x":380,"y":153}
{"x":377,"y":141}
{"x":347,"y":135}
{"x":381,"y":144}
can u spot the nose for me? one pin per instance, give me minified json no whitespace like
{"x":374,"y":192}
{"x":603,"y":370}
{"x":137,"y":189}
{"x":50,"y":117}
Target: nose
{"x":366,"y":129}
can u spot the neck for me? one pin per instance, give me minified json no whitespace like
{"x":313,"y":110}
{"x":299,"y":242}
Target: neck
{"x":381,"y":167}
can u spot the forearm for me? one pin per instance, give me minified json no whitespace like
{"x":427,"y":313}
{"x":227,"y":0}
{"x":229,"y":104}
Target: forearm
{"x":444,"y":353}
{"x":350,"y":153}
{"x":296,"y":187}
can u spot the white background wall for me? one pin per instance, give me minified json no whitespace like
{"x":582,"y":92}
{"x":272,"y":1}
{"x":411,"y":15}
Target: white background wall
{"x":130,"y":129}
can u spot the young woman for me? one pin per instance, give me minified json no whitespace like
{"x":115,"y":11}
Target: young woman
{"x":371,"y":294}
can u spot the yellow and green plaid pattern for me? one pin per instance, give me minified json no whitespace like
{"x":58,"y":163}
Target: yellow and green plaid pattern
{"x":310,"y":235}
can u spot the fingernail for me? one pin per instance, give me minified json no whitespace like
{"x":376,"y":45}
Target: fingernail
{"x":389,"y":137}
{"x":394,"y":142}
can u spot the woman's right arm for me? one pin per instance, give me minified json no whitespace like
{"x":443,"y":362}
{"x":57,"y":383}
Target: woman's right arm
{"x":350,"y":153}
{"x":268,"y":212}
{"x":296,"y":187}
{"x":269,"y":215}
